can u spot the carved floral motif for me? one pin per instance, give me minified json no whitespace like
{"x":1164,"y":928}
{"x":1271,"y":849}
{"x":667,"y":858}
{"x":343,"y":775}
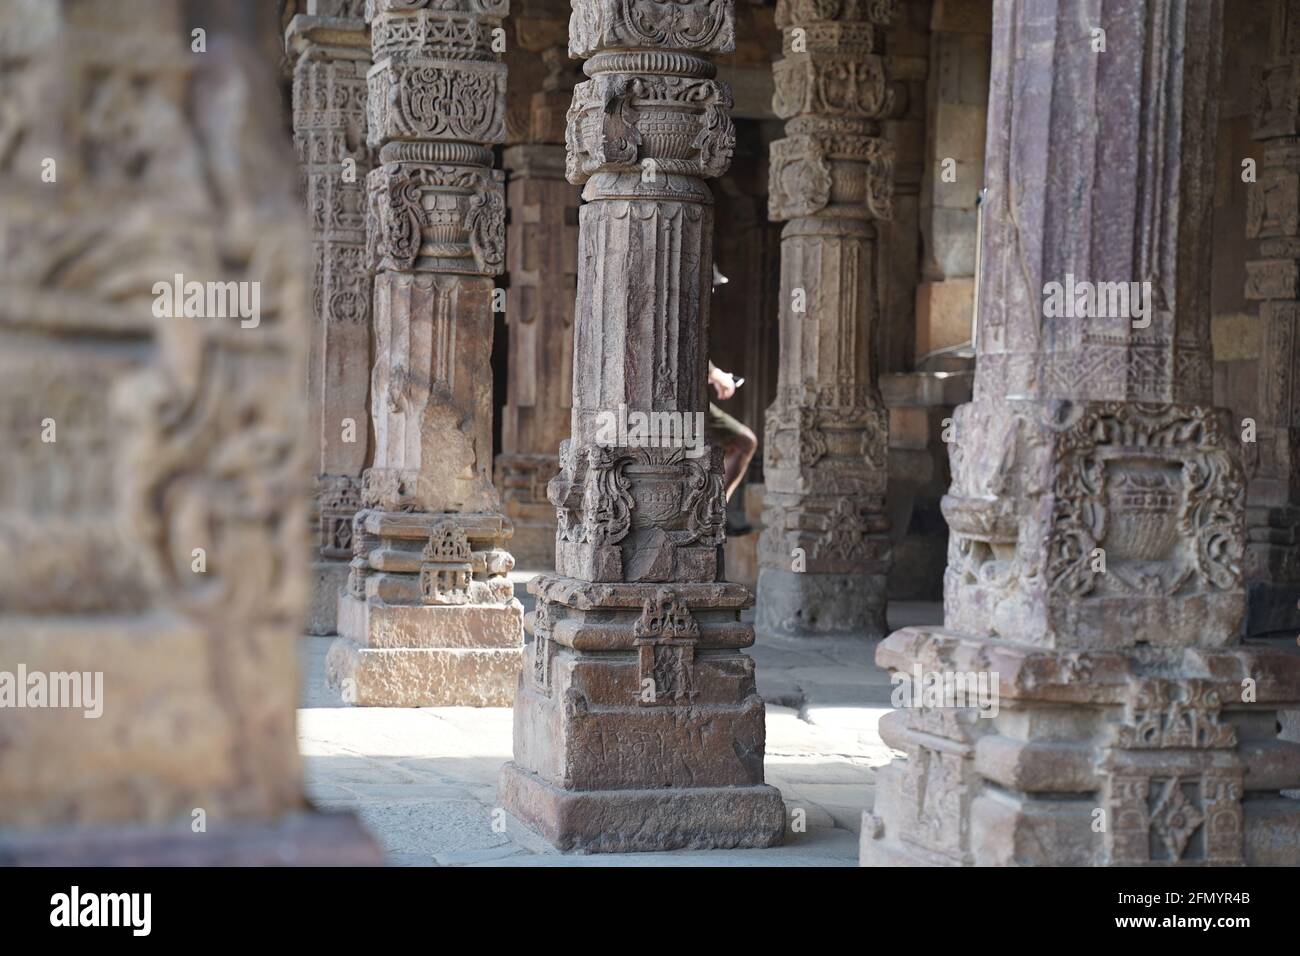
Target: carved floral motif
{"x":698,"y":25}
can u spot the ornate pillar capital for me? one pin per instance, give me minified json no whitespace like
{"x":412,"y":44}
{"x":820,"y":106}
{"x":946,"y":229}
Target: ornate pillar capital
{"x":651,"y":121}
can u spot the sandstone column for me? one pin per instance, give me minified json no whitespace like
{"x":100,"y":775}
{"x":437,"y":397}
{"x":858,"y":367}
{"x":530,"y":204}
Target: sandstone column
{"x":541,"y":266}
{"x":825,"y":551}
{"x":957,"y":115}
{"x":1273,"y":278}
{"x":152,"y":583}
{"x":637,"y":723}
{"x":1097,"y":506}
{"x":329,"y":125}
{"x":429,"y":617}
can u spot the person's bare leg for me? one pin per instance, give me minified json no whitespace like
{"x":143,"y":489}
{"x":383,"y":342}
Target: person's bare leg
{"x":739,"y":453}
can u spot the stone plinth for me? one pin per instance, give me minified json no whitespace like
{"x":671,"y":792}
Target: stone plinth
{"x":1098,"y":706}
{"x":637,"y":722}
{"x":825,"y":551}
{"x":684,"y":770}
{"x":299,"y":839}
{"x":437,"y":624}
{"x":429,"y":616}
{"x":1181,"y":772}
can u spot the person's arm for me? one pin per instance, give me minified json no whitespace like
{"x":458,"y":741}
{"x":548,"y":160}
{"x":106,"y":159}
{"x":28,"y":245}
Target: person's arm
{"x":724,"y":385}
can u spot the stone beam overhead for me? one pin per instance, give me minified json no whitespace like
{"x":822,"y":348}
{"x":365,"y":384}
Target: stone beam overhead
{"x":825,"y":551}
{"x":429,"y":617}
{"x":637,"y":722}
{"x":329,"y":128}
{"x":1094,"y":581}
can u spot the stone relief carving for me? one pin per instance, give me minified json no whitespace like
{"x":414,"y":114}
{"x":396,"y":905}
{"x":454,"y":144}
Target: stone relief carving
{"x":696,"y":25}
{"x":666,"y":635}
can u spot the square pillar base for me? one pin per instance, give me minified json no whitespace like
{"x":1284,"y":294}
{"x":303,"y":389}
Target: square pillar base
{"x":397,"y":655}
{"x":629,"y":821}
{"x":1177,"y":766}
{"x":808,"y":604}
{"x":327,"y":577}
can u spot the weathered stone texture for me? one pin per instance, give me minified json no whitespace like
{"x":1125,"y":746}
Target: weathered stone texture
{"x":425,"y":676}
{"x":638,"y":726}
{"x":329,"y":119}
{"x":541,"y":271}
{"x":429,"y":538}
{"x":825,"y":551}
{"x":1097,"y":510}
{"x":541,"y":254}
{"x":156,"y":529}
{"x":1273,"y":226}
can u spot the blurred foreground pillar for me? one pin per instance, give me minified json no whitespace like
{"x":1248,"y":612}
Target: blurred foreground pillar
{"x":151,"y":502}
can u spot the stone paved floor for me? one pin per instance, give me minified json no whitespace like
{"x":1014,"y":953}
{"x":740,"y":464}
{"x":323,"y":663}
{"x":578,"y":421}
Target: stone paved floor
{"x":424,"y":780}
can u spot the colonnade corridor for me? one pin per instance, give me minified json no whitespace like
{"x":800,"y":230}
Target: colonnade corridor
{"x":650,"y":433}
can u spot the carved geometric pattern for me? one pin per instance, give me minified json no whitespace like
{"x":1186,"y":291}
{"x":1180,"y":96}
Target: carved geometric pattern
{"x":1193,"y":817}
{"x":1169,"y":714}
{"x":541,"y":671}
{"x":446,"y":566}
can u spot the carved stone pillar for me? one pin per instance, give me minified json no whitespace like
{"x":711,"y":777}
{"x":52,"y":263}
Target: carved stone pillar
{"x":1094,"y":586}
{"x":429,"y":617}
{"x":637,"y":722}
{"x":329,"y":125}
{"x":825,"y":553}
{"x":1273,"y":278}
{"x":152,"y":583}
{"x":541,"y":265}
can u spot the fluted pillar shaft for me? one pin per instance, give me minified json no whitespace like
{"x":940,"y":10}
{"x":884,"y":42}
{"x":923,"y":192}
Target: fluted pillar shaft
{"x":825,"y":551}
{"x":637,"y":722}
{"x":429,"y":617}
{"x":1088,"y":700}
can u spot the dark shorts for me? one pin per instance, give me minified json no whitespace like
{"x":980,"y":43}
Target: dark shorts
{"x":721,"y":428}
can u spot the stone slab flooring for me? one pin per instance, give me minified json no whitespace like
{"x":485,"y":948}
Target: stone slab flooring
{"x":423,"y":780}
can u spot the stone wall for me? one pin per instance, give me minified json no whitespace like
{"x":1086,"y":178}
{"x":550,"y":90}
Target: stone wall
{"x":957,"y":100}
